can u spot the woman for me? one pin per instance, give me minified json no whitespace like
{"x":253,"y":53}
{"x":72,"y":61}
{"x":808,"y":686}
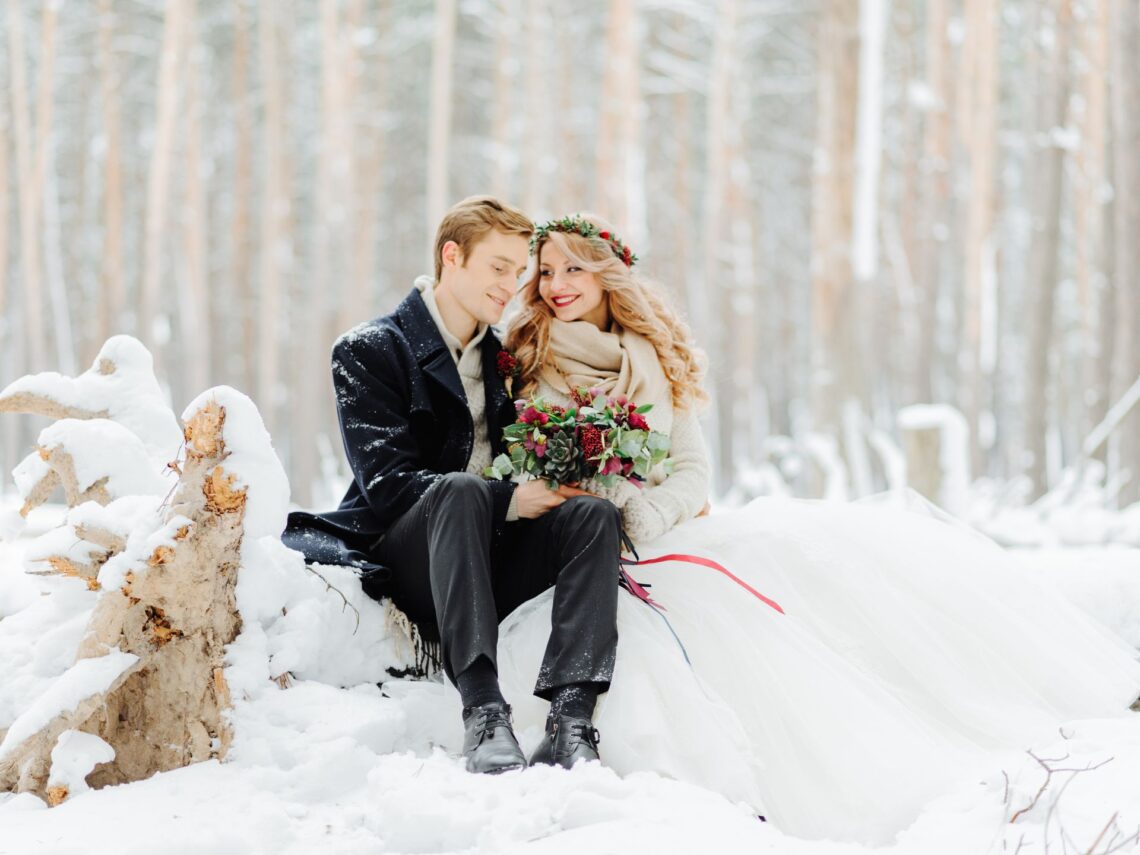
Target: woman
{"x":906,"y":649}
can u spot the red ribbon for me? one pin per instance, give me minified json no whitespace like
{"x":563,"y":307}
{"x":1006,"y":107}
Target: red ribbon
{"x":703,"y":562}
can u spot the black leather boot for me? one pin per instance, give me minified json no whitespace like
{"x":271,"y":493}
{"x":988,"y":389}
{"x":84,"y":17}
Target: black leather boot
{"x":489,"y":743}
{"x":567,"y":741}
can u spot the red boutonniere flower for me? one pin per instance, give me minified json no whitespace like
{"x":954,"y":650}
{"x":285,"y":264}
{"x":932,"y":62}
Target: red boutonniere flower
{"x":509,"y":368}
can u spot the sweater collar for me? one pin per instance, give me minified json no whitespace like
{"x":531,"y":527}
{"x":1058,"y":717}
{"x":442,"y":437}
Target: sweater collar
{"x":426,"y":286}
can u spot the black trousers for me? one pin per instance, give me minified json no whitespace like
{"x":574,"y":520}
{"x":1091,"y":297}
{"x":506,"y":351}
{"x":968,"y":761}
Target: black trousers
{"x":449,"y":569}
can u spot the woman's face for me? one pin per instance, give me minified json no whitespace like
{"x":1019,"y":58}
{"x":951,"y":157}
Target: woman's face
{"x":573,"y":294}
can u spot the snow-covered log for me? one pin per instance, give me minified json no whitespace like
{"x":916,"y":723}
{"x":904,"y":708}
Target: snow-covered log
{"x":148,"y":681}
{"x":120,"y":385}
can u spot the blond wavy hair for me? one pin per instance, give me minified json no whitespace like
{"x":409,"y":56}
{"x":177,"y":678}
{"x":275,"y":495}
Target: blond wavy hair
{"x":634,"y":302}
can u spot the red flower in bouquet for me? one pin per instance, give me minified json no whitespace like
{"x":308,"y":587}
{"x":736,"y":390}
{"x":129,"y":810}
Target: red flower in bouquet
{"x":533,"y":416}
{"x":599,"y":438}
{"x":592,"y":440}
{"x":637,"y":421}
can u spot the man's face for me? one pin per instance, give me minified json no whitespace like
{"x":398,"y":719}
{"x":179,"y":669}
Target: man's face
{"x":485,"y":281}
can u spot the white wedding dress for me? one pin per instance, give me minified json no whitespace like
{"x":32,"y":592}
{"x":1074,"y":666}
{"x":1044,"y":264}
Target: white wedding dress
{"x":909,"y":646}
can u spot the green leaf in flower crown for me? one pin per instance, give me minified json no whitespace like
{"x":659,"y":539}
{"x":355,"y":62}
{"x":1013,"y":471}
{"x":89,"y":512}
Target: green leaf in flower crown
{"x":644,"y":408}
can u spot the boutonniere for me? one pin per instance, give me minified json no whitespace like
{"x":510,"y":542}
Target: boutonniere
{"x":509,"y":368}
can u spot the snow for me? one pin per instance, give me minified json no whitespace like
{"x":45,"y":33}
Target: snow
{"x":331,"y":754}
{"x":130,"y":395}
{"x":250,"y":456}
{"x":29,"y":472}
{"x":85,"y":678}
{"x":337,"y":763}
{"x":74,"y":757}
{"x":101,"y":448}
{"x":142,"y":542}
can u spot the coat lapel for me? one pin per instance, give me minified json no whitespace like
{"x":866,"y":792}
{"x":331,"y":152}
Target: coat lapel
{"x":428,"y":345}
{"x":500,"y":407}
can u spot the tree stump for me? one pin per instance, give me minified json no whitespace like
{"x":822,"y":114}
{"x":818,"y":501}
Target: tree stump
{"x":173,"y":611}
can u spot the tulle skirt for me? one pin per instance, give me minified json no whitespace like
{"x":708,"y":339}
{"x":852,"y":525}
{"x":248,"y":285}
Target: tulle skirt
{"x":909,"y":647}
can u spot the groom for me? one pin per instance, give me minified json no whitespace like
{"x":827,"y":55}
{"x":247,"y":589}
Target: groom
{"x":422,"y":407}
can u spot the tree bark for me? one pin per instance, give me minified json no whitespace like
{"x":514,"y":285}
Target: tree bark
{"x":113,"y":293}
{"x":1091,"y":213}
{"x":978,"y":122}
{"x":194,"y":317}
{"x":439,"y":128}
{"x":276,"y":247}
{"x":837,"y":363}
{"x":1126,"y":142}
{"x":240,"y":235}
{"x":171,"y":66}
{"x":619,"y":168}
{"x":1044,"y":252}
{"x":29,"y":192}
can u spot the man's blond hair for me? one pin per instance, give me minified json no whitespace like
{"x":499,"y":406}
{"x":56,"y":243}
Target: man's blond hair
{"x":469,"y":221}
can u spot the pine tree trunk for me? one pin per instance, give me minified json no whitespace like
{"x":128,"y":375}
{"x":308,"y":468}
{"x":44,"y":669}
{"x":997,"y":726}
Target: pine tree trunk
{"x":113,"y":293}
{"x":715,"y":221}
{"x":1044,"y":252}
{"x":617,"y":168}
{"x":171,"y":67}
{"x":240,"y":266}
{"x":439,"y":128}
{"x":978,"y":121}
{"x":836,"y":361}
{"x":194,"y":317}
{"x":1091,"y":211}
{"x":1126,"y":196}
{"x":275,"y":249}
{"x":29,"y":192}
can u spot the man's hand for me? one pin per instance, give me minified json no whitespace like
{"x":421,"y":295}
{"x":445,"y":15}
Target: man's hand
{"x":534,"y":498}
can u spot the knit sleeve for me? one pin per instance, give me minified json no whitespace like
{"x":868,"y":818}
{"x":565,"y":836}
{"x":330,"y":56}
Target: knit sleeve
{"x":650,"y":511}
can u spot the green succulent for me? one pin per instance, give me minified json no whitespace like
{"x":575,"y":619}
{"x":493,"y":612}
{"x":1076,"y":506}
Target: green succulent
{"x":563,"y":458}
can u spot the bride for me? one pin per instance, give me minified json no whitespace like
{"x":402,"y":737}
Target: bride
{"x":832,"y":666}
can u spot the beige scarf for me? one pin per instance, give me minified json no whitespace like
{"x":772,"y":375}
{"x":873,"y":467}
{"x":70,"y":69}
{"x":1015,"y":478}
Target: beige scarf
{"x":619,"y":362}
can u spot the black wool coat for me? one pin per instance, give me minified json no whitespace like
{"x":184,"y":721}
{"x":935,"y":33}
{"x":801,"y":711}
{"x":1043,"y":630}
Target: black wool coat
{"x":404,"y":421}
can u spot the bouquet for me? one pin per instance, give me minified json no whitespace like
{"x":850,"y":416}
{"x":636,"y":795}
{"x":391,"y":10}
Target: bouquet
{"x":599,"y":438}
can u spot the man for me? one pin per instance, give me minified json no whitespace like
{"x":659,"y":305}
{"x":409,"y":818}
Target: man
{"x":422,"y":408}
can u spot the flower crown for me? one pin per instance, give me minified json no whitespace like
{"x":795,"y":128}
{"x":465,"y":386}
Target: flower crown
{"x":577,"y":225}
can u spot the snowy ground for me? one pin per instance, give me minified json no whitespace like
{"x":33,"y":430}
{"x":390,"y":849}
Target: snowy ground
{"x":366,"y":769}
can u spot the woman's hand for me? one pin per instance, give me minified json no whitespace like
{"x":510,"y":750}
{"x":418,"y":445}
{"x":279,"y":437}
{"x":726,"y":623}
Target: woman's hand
{"x":534,"y":498}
